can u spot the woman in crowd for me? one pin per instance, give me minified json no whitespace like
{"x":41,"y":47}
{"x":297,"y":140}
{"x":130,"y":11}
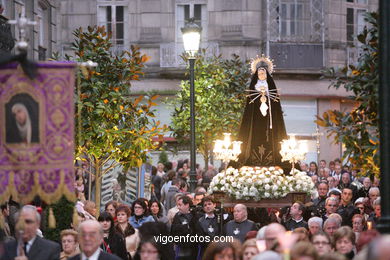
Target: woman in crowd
{"x":157,"y":212}
{"x":111,"y":208}
{"x":89,"y":210}
{"x":222,"y":250}
{"x":359,"y":204}
{"x":123,"y":226}
{"x":113,"y":242}
{"x":304,"y":250}
{"x":150,"y":250}
{"x":358,"y":225}
{"x":139,"y":213}
{"x":322,"y":243}
{"x":315,"y":225}
{"x":344,"y":241}
{"x":69,"y":242}
{"x":249,"y":249}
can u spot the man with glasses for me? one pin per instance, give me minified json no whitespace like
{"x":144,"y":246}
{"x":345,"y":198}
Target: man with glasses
{"x":90,"y":239}
{"x":28,"y":245}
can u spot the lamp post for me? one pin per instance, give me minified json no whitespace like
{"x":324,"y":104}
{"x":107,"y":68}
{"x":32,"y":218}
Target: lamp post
{"x":384,"y":109}
{"x":191,"y":39}
{"x":227,"y":150}
{"x":293,"y":151}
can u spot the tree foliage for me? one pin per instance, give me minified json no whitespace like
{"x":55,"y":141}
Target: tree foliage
{"x":358,"y":129}
{"x":63,"y":213}
{"x":111,"y":127}
{"x":219,"y":98}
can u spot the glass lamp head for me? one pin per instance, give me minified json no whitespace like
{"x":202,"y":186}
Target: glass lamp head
{"x":191,"y":37}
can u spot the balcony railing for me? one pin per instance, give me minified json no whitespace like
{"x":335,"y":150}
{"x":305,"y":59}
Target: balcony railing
{"x":170,"y":53}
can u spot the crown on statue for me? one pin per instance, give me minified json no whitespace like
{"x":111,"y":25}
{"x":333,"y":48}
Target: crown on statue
{"x":262,"y":62}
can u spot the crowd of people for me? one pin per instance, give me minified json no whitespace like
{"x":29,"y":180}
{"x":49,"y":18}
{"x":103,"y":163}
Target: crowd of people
{"x":338,"y":223}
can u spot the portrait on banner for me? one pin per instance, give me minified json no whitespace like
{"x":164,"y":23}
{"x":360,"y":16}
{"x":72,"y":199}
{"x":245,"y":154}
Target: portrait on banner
{"x":37,"y":132}
{"x":22,"y":119}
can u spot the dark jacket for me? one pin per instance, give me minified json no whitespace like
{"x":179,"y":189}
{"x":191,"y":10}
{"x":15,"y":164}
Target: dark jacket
{"x":291,"y":224}
{"x":184,"y":225}
{"x":102,"y":256}
{"x":41,"y":249}
{"x":117,"y":245}
{"x":239,"y":230}
{"x":207,"y":228}
{"x":346,"y":213}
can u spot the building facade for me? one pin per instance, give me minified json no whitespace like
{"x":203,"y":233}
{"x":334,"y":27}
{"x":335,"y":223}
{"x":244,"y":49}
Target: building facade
{"x":302,"y":37}
{"x":42,"y":37}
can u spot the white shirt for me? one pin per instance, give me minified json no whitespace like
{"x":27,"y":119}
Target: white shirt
{"x":94,"y":256}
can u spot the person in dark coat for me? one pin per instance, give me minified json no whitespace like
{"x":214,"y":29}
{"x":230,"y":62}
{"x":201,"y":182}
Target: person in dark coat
{"x":240,"y":225}
{"x":29,"y":244}
{"x":296,"y":220}
{"x":90,"y":239}
{"x":346,"y":208}
{"x":113,"y":242}
{"x":184,"y":224}
{"x":209,"y":224}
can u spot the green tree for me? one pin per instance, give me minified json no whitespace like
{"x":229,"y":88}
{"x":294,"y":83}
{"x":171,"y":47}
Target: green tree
{"x":219,"y":98}
{"x":358,"y":129}
{"x":112,"y":128}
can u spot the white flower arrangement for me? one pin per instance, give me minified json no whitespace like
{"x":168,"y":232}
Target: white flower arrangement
{"x":256,"y":183}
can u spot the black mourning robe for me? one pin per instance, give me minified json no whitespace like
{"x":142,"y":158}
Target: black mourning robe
{"x":261,"y":144}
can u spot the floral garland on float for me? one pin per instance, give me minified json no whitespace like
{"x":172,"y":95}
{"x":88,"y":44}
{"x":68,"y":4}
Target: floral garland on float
{"x":256,"y":183}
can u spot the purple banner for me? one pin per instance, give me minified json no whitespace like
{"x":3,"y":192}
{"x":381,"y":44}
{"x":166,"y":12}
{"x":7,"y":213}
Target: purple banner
{"x":37,"y":133}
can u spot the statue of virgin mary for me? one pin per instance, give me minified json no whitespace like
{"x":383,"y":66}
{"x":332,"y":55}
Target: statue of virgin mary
{"x":262,"y":126}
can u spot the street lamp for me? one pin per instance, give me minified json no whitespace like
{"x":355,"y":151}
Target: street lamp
{"x":191,"y":38}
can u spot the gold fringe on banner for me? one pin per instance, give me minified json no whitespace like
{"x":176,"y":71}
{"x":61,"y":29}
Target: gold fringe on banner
{"x":52,"y":219}
{"x":75,"y":219}
{"x":2,"y":221}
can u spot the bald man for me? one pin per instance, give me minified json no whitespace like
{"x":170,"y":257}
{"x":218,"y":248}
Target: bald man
{"x":240,"y":225}
{"x":271,"y":234}
{"x":90,"y":239}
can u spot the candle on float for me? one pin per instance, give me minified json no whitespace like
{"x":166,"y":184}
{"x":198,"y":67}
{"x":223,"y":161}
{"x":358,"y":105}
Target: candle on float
{"x":226,"y":140}
{"x":369,"y":225}
{"x":237,"y":147}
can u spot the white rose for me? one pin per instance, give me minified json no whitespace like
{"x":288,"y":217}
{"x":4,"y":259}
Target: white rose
{"x":274,"y":187}
{"x":267,"y":187}
{"x":266,"y":194}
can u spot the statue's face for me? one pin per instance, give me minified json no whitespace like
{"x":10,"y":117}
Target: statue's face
{"x":20,"y":116}
{"x":262,"y":74}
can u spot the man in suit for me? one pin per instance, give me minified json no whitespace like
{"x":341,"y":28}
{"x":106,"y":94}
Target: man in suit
{"x":30,"y":245}
{"x":90,"y":239}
